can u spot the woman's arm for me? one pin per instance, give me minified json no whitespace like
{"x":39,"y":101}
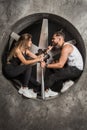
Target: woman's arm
{"x":26,"y":62}
{"x":32,"y":55}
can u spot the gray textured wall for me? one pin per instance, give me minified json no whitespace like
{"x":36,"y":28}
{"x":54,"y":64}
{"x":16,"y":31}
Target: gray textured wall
{"x":69,"y":110}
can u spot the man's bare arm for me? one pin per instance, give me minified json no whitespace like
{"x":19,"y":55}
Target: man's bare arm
{"x":67,"y":49}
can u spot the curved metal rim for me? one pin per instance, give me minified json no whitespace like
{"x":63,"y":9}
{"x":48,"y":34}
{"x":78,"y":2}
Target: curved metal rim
{"x":29,"y":20}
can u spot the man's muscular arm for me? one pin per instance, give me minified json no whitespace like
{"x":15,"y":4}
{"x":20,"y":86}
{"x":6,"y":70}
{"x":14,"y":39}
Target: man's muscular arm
{"x":67,"y":49}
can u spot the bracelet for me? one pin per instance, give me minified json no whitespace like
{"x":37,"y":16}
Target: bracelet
{"x":46,"y":64}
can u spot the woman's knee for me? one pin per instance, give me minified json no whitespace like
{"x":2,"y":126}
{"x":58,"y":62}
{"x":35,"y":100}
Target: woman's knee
{"x":28,"y":67}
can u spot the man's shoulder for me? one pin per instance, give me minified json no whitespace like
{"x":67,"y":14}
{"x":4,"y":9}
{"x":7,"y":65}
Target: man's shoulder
{"x":67,"y":44}
{"x":68,"y":47}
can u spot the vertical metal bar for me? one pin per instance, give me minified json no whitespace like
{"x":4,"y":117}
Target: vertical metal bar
{"x":43,"y":43}
{"x":42,"y":85}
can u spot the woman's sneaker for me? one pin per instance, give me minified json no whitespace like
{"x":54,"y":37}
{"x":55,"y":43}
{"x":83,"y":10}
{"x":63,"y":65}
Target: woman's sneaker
{"x":33,"y":93}
{"x":67,"y":85}
{"x":50,"y":93}
{"x":29,"y":94}
{"x":21,"y":90}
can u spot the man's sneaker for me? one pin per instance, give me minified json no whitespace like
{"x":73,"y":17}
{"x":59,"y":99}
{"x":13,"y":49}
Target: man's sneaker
{"x":50,"y":93}
{"x":46,"y":94}
{"x":67,"y":85}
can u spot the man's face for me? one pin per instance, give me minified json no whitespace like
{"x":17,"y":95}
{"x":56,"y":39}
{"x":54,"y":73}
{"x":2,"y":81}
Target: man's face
{"x":57,"y":40}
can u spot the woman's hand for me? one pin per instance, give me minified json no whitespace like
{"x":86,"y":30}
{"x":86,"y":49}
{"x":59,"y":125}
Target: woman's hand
{"x":40,"y":57}
{"x":43,"y":64}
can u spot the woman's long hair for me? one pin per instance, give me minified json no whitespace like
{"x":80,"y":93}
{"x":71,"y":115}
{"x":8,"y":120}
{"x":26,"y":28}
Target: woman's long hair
{"x":22,"y":42}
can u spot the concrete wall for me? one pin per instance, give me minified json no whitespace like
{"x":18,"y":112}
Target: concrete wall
{"x":69,"y":110}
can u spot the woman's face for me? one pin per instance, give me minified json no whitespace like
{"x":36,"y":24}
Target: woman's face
{"x":29,"y":43}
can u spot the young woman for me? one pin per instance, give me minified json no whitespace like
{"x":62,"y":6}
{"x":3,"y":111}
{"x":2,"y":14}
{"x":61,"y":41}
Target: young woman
{"x":17,"y":63}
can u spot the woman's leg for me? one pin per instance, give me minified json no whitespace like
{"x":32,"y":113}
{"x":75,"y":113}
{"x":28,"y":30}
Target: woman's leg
{"x":13,"y":71}
{"x":26,"y":76}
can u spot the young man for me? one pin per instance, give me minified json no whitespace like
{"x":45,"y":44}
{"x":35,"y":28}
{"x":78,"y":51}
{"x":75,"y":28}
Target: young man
{"x":71,"y":56}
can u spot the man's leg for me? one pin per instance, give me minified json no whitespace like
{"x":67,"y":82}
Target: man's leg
{"x":61,"y":75}
{"x":49,"y":92}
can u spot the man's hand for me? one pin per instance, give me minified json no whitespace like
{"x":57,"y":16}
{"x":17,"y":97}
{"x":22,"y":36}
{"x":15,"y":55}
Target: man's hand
{"x":43,"y":64}
{"x":49,"y":48}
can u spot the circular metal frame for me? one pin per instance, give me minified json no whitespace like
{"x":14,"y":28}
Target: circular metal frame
{"x":31,"y":19}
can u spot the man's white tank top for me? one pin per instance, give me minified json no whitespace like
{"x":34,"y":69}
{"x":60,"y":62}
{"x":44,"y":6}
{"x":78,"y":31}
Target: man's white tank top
{"x":75,"y":58}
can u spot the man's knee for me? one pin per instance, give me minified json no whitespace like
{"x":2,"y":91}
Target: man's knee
{"x":51,"y":77}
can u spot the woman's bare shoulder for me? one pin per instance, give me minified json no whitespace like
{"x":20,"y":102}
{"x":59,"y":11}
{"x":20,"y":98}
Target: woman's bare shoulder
{"x":17,"y":51}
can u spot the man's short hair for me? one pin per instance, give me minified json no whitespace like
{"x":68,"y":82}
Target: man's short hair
{"x":60,"y":33}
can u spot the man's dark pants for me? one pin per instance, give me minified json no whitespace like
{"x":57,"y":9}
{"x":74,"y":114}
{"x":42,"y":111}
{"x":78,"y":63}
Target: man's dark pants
{"x":55,"y":77}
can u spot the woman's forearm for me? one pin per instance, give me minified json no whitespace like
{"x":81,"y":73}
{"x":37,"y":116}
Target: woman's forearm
{"x":29,"y":62}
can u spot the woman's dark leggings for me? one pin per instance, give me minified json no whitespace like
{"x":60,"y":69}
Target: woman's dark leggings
{"x":13,"y":71}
